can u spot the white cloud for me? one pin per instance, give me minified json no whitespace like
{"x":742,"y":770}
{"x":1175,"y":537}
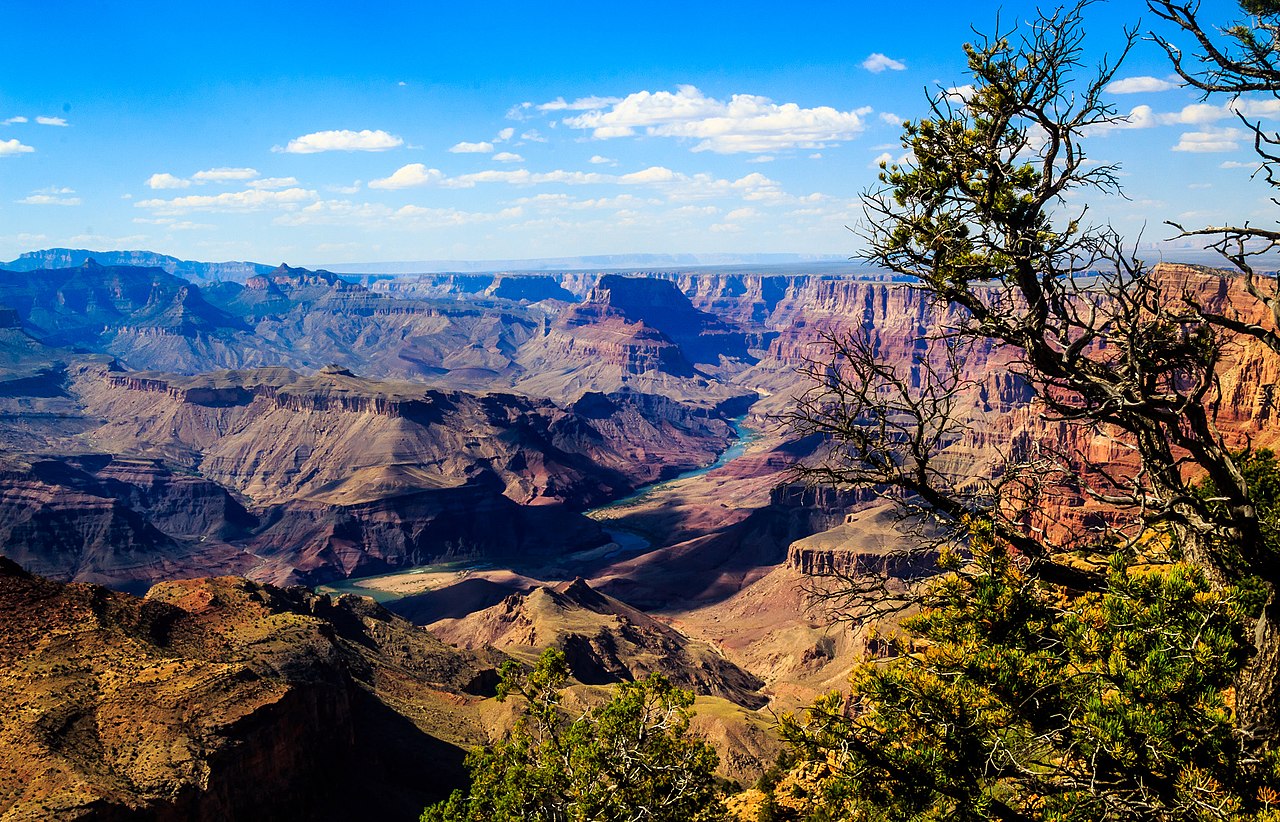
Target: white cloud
{"x":166,"y":180}
{"x":1210,"y":140}
{"x":533,"y":136}
{"x":410,"y":176}
{"x":744,"y":123}
{"x":652,"y":174}
{"x":505,"y":134}
{"x":8,"y":147}
{"x":224,"y":175}
{"x":411,"y":217}
{"x":174,"y":225}
{"x":53,"y":196}
{"x":599,"y":160}
{"x":273,"y":182}
{"x":1142,"y":116}
{"x":1136,"y":85}
{"x":1255,"y":108}
{"x":762,"y":158}
{"x":1196,"y":114}
{"x":51,"y":121}
{"x":886,"y":158}
{"x":817,"y":155}
{"x":1254,"y":166}
{"x":344,"y":140}
{"x":17,"y":119}
{"x":351,"y":189}
{"x":523,"y":177}
{"x":483,"y":147}
{"x":581,"y":104}
{"x":877,"y":62}
{"x":891,"y":118}
{"x":230,"y":201}
{"x":508,"y":157}
{"x":746,"y":213}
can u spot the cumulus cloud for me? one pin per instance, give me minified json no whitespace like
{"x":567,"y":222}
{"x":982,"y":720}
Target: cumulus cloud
{"x":231,"y":201}
{"x":505,"y":134}
{"x":410,"y":176}
{"x":1136,"y":85}
{"x":600,"y":160}
{"x":652,"y":174}
{"x":508,"y":157}
{"x":412,"y":217}
{"x":523,"y":177}
{"x":174,"y":224}
{"x":51,"y":196}
{"x":533,"y":136}
{"x":877,"y":62}
{"x":224,"y":175}
{"x":166,"y":180}
{"x":8,"y":147}
{"x":272,"y":183}
{"x":51,"y":121}
{"x":1210,"y":140}
{"x":483,"y":147}
{"x":1254,"y":166}
{"x":13,"y":120}
{"x":1196,"y":114}
{"x":343,"y":140}
{"x":1255,"y":108}
{"x":744,"y":123}
{"x":581,"y":104}
{"x":891,"y":118}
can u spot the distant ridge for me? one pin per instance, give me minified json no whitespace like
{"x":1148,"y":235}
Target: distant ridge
{"x":187,"y":269}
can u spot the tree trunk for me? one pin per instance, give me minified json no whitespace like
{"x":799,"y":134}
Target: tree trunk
{"x":1258,"y":689}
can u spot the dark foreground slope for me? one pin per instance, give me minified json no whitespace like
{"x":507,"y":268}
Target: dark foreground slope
{"x":224,"y":699}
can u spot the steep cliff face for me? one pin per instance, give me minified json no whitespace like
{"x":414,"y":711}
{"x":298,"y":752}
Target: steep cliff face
{"x":125,"y":523}
{"x":221,"y":699}
{"x":292,"y":478}
{"x":275,"y":435}
{"x":635,"y":332}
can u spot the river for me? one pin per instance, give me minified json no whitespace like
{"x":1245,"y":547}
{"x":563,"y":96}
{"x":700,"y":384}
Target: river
{"x":624,"y":542}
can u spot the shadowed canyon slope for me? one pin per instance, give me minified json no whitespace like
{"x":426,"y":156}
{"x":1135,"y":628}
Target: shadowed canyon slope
{"x":223,"y":699}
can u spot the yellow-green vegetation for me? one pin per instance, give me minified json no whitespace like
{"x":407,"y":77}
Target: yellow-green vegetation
{"x":1007,"y":698}
{"x":629,"y":758}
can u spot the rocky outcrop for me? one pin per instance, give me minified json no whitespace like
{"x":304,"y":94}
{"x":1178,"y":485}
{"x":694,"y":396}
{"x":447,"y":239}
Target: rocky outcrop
{"x":870,"y":542}
{"x":126,"y":523}
{"x":221,"y":699}
{"x":529,"y":288}
{"x":605,"y":640}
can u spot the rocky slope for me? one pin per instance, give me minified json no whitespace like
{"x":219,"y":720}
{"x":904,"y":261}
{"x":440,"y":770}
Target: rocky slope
{"x":291,"y":478}
{"x":604,"y":639}
{"x":222,"y":699}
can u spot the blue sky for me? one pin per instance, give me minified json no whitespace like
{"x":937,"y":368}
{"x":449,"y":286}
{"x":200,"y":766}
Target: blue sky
{"x":411,"y":131}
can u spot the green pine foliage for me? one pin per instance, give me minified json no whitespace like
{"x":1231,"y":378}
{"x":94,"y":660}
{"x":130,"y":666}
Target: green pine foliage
{"x":630,"y":759}
{"x":1006,"y":698}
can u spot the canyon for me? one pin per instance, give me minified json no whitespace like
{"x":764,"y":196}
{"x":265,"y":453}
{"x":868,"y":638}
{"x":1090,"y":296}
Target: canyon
{"x":492,"y":463}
